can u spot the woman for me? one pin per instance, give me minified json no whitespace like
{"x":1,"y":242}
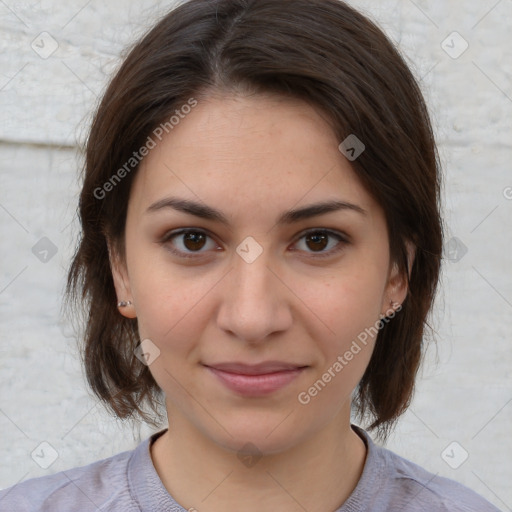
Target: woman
{"x":261,"y":208}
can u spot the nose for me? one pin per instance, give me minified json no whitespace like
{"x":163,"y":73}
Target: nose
{"x":255,"y":302}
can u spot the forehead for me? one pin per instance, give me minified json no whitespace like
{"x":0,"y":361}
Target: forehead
{"x":249,"y":152}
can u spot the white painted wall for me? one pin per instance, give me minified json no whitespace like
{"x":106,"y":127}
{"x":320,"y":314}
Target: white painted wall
{"x":46,"y":103}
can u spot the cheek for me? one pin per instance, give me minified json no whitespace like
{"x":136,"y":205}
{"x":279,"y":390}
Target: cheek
{"x":168,"y":305}
{"x":347,"y":302}
{"x":349,"y":307}
{"x":172,"y":314}
{"x":171,"y":301}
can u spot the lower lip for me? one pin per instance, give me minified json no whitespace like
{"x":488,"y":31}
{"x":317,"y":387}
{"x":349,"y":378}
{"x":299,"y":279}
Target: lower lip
{"x":256,"y":385}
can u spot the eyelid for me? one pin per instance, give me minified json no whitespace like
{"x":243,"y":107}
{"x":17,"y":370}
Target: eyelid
{"x":181,"y":231}
{"x":342,"y":238}
{"x":334,"y":232}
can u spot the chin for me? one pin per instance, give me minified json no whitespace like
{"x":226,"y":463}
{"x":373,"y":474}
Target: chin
{"x":266,"y":434}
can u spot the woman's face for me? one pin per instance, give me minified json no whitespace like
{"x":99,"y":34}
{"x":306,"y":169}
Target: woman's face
{"x":263,"y":274}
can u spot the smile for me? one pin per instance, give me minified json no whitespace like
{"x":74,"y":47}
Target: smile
{"x":254,"y":381}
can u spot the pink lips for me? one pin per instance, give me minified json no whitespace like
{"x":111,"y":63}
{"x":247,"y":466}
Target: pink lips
{"x":255,"y":380}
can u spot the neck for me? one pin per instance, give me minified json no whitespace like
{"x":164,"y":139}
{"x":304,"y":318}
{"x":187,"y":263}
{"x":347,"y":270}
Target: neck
{"x":318,"y":474}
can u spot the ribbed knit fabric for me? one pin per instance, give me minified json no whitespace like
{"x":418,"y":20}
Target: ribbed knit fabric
{"x":128,"y":482}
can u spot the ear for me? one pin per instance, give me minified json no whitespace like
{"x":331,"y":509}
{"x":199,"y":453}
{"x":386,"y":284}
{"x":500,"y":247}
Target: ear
{"x":121,"y":281}
{"x":396,"y":287}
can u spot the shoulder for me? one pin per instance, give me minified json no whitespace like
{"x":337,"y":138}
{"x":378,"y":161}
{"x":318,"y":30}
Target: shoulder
{"x":433,"y":492}
{"x":400,"y":484}
{"x":86,"y":488}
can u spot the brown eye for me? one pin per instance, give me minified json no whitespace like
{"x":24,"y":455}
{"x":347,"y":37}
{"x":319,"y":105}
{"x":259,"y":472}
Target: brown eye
{"x":194,"y":241}
{"x":189,"y":243}
{"x":321,"y":243}
{"x":317,"y":241}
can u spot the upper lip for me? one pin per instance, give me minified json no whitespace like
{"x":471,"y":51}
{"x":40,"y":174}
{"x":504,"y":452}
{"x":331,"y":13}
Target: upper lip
{"x":255,"y":369}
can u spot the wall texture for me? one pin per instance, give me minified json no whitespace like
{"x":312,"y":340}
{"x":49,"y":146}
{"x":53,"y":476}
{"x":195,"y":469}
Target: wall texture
{"x":55,"y":60}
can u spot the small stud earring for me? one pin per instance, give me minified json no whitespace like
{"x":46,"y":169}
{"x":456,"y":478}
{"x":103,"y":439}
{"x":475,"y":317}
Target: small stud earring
{"x":123,"y":303}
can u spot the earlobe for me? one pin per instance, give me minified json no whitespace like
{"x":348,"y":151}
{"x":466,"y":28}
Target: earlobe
{"x":121,"y":283}
{"x":127,"y":309}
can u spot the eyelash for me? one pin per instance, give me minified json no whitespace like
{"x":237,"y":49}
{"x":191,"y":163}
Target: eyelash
{"x":343,"y":241}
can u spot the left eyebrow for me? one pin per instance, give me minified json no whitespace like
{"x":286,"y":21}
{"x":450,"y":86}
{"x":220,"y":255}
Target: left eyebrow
{"x":289,"y":217}
{"x":313,"y":210}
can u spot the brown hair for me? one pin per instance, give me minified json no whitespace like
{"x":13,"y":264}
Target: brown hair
{"x":322,"y":52}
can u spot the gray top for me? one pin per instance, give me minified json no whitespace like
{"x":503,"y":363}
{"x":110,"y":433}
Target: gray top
{"x":128,"y":482}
